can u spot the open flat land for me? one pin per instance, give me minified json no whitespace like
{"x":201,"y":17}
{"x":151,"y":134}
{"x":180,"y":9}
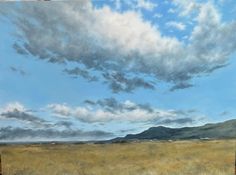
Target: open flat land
{"x":214,"y":157}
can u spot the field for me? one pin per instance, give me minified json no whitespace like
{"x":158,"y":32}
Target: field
{"x":214,"y":157}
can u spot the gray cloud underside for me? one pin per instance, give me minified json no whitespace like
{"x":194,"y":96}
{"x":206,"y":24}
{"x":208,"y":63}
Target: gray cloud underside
{"x":146,"y":113}
{"x":18,"y":70}
{"x":38,"y":128}
{"x":112,"y":105}
{"x":33,"y":120}
{"x":66,"y":124}
{"x":19,"y":49}
{"x":25,"y":117}
{"x":10,"y":133}
{"x":115,"y":44}
{"x":118,"y":82}
{"x":180,"y":121}
{"x":83,"y":73}
{"x":225,"y":113}
{"x":182,"y":85}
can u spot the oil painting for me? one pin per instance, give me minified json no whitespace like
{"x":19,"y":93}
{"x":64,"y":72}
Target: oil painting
{"x":118,"y":87}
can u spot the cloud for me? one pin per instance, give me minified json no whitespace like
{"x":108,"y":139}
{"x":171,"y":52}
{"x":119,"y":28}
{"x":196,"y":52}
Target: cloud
{"x":117,"y":4}
{"x":23,"y":116}
{"x":109,"y":109}
{"x":81,"y":72}
{"x":61,"y":109}
{"x":112,"y":105}
{"x":119,"y":82}
{"x":212,"y":37}
{"x":136,"y":5}
{"x":18,"y":70}
{"x":11,"y":134}
{"x":18,"y":112}
{"x":11,"y":107}
{"x":180,"y":121}
{"x":157,"y":15}
{"x":176,"y":25}
{"x":19,"y":49}
{"x":65,"y":124}
{"x":171,"y":10}
{"x":37,"y":128}
{"x":181,"y":85}
{"x":146,"y":4}
{"x":186,"y":7}
{"x":123,"y":47}
{"x":224,"y":113}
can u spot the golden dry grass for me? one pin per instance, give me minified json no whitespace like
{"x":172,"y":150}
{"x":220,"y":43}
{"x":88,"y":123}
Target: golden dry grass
{"x":145,"y":158}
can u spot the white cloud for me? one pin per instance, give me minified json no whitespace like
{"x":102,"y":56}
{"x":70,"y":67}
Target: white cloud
{"x":101,"y":111}
{"x":17,"y":111}
{"x":90,"y":115}
{"x":108,"y":41}
{"x":211,"y":38}
{"x":111,"y":110}
{"x":13,"y":106}
{"x":171,"y":10}
{"x":146,"y":4}
{"x":176,"y":25}
{"x":157,"y":15}
{"x":60,"y":109}
{"x":186,"y":7}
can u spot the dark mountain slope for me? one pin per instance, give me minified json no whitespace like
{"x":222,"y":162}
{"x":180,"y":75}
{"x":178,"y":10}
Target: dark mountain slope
{"x":224,"y":130}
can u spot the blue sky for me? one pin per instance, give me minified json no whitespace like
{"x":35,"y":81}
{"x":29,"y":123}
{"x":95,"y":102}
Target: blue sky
{"x":101,"y":69}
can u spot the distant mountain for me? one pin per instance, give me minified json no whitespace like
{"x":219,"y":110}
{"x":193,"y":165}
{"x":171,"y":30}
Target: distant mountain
{"x":224,"y":130}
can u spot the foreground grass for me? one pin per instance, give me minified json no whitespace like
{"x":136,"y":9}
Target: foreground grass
{"x":145,"y":158}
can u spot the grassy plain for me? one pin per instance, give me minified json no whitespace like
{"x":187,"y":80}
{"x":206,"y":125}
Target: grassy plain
{"x":214,"y":157}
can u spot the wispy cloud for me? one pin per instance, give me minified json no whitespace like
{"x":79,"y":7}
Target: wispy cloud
{"x":176,"y":25}
{"x":187,"y":7}
{"x":18,"y":70}
{"x":224,"y":113}
{"x":157,"y":15}
{"x":81,"y":72}
{"x":180,"y":121}
{"x":112,"y":105}
{"x":11,"y":134}
{"x":181,"y":85}
{"x":146,"y":4}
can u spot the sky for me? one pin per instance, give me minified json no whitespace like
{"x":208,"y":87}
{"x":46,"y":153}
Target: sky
{"x":95,"y":70}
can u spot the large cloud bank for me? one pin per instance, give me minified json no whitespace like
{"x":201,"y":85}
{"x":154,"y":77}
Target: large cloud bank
{"x":122,"y":47}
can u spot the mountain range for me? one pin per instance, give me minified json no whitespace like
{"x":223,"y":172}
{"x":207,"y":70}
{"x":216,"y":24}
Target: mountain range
{"x":223,"y":130}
